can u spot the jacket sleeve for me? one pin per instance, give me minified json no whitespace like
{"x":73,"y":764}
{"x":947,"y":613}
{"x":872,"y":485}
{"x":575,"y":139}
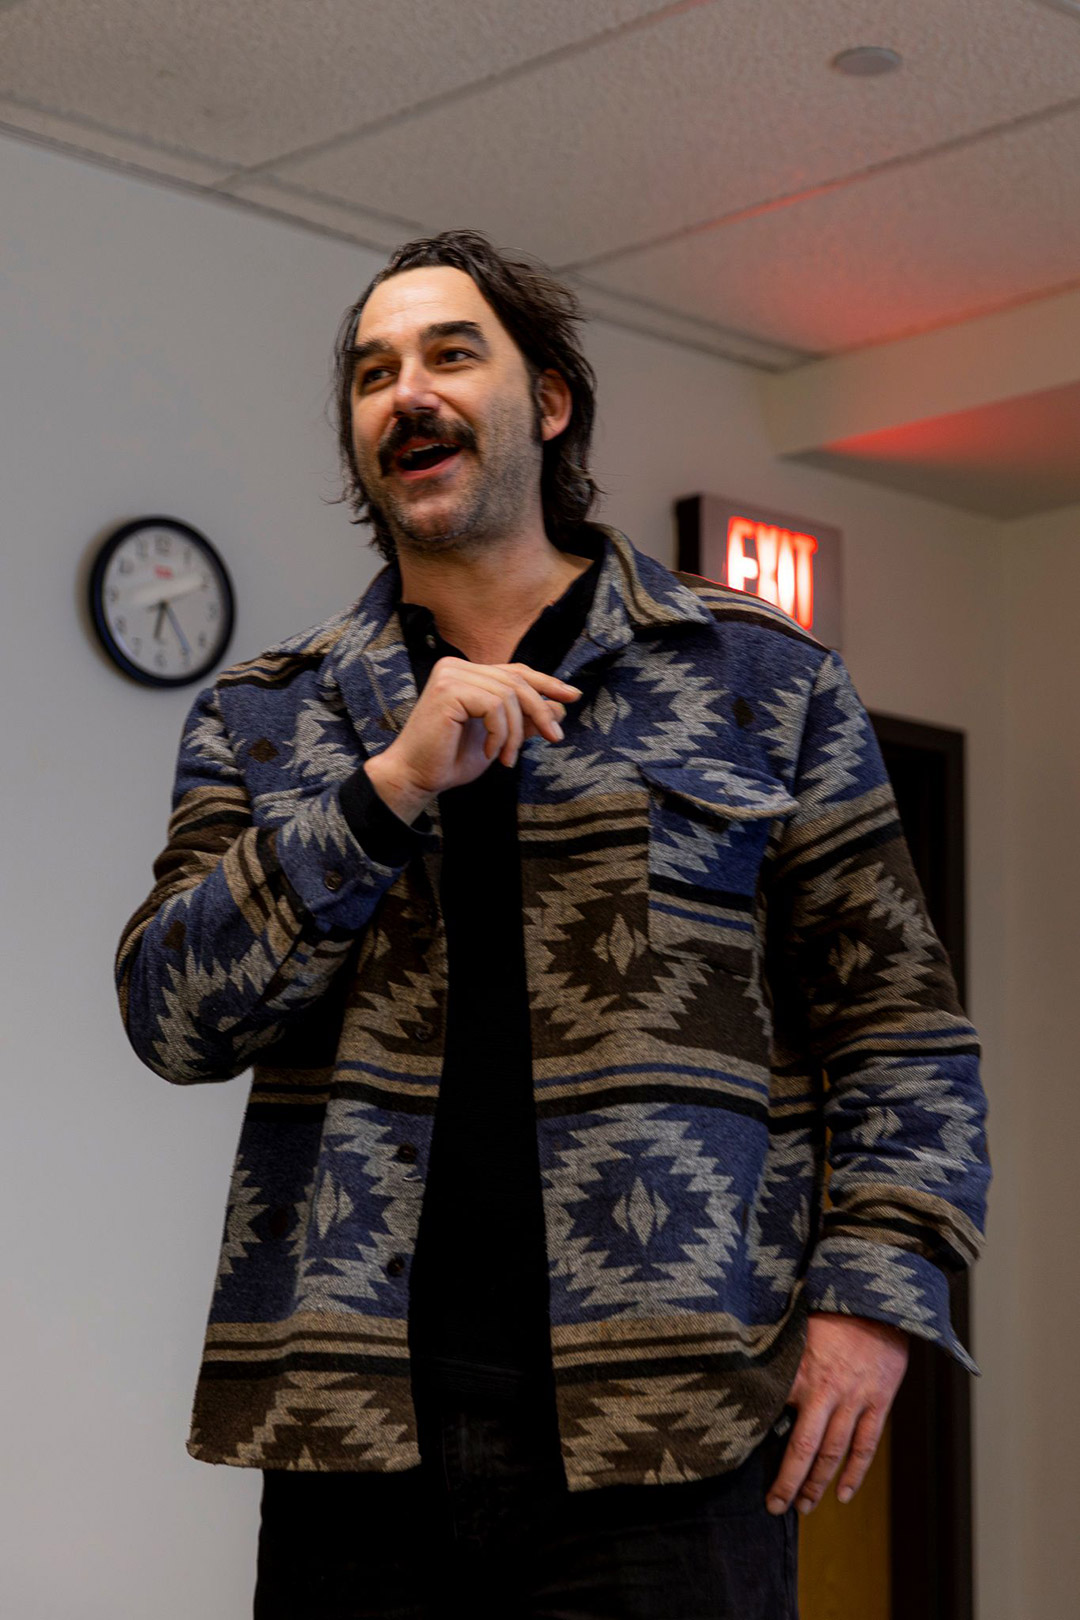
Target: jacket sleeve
{"x":872,"y":996}
{"x":246,"y":926}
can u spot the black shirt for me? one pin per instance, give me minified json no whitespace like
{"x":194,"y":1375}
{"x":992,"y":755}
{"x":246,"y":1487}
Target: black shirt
{"x":478,"y":1290}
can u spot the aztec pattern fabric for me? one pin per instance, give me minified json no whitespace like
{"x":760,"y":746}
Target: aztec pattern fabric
{"x":735,"y":994}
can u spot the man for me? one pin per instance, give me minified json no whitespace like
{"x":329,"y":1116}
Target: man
{"x":561,"y":905}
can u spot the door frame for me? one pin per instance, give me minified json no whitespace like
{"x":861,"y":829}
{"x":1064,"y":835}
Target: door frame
{"x":932,"y":1575}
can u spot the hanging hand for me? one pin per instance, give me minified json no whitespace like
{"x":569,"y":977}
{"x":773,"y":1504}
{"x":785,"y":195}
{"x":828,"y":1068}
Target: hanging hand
{"x":850,"y":1371}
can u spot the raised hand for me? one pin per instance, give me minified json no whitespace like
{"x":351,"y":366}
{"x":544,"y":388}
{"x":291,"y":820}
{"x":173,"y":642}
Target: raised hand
{"x":467,"y":716}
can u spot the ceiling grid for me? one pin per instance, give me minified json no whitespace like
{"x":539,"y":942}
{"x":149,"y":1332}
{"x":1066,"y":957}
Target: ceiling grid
{"x":697,"y":170}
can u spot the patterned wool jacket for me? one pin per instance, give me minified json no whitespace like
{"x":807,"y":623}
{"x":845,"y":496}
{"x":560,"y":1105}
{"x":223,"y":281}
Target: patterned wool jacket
{"x":734,"y":992}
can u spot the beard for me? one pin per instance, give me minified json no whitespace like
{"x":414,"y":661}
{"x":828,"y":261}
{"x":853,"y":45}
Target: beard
{"x":498,"y":485}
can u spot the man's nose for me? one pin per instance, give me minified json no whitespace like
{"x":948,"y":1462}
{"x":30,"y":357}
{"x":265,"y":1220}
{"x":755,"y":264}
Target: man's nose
{"x":413,"y":389}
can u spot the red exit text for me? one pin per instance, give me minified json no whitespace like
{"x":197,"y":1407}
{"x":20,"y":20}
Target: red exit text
{"x":775,"y":564}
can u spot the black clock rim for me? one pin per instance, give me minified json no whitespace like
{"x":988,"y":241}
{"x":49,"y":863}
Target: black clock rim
{"x":97,"y":608}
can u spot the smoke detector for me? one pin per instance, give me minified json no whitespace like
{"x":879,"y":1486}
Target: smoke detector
{"x":867,"y":61}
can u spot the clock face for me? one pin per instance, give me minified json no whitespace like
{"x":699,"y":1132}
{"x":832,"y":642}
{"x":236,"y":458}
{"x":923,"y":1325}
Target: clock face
{"x":161,"y":601}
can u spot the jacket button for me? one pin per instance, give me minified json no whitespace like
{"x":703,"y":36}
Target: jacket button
{"x":407,"y":1152}
{"x":333,"y":881}
{"x":424,"y":1032}
{"x":395,"y":1266}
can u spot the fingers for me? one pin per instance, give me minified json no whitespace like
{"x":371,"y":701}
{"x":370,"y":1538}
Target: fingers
{"x":802,"y":1449}
{"x":820,"y":1441}
{"x":556,"y":710}
{"x":850,"y":1371}
{"x":868,"y":1434}
{"x":507,"y":699}
{"x":496,"y":722}
{"x":549,"y":685}
{"x":537,"y":695}
{"x":514,"y":731}
{"x":831,"y":1453}
{"x":505,"y":711}
{"x":470,"y":714}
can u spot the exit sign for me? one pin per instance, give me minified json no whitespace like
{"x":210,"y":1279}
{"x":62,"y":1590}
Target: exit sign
{"x":786,"y":561}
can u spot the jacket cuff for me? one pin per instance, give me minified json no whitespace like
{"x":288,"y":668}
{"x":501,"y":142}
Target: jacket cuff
{"x":332,"y":876}
{"x":385,"y":837}
{"x":852,"y":1277}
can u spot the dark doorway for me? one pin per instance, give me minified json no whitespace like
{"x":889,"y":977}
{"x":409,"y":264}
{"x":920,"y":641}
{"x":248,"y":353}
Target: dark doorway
{"x":931,"y":1427}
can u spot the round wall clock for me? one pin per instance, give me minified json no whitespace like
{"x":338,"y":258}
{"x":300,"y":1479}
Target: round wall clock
{"x":161,"y":601}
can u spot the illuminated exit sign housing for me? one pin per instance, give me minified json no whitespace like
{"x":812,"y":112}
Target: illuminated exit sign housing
{"x":784,"y":560}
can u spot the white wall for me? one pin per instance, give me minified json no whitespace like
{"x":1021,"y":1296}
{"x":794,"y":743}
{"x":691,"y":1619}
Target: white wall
{"x":1043,"y":929}
{"x":164,"y":353}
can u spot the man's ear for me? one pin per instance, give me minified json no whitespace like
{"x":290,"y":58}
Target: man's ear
{"x":555,"y":404}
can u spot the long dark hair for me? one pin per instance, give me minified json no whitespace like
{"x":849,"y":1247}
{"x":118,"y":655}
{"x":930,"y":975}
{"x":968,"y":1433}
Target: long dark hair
{"x":540,"y":315}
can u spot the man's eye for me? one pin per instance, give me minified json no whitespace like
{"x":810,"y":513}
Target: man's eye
{"x":451,"y":354}
{"x":372,"y":374}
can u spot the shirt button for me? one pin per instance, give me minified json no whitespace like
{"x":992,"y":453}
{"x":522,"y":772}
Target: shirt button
{"x":424,"y":1032}
{"x":395,"y":1266}
{"x":407,"y":1152}
{"x":332,"y":881}
{"x":429,"y":641}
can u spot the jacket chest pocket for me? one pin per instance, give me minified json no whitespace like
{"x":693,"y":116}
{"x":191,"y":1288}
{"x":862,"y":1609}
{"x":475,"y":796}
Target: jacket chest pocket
{"x":708,"y":831}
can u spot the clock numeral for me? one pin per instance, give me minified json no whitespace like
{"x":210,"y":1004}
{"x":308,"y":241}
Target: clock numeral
{"x":160,"y":660}
{"x":202,"y":638}
{"x":112,"y":594}
{"x":211,"y":611}
{"x":141,"y":548}
{"x":121,"y":624}
{"x":136,"y":643}
{"x":163,"y":544}
{"x":126,"y":565}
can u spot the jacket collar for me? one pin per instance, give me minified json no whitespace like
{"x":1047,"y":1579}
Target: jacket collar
{"x":369,"y":663}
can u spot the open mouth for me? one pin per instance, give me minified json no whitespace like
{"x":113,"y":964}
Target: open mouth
{"x":423,"y":458}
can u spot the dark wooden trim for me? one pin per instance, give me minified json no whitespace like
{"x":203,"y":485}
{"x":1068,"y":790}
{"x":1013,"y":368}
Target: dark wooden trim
{"x":942,"y":751}
{"x":688,"y":535}
{"x":932,"y":1569}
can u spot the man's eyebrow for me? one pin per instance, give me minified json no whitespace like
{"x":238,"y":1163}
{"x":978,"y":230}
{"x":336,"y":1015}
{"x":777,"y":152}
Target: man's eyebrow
{"x":357,"y":353}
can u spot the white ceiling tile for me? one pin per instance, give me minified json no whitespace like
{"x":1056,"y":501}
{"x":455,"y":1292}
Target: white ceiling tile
{"x":658,"y":320}
{"x":245,"y":80}
{"x":303,"y":207}
{"x":707,"y":112}
{"x":910,"y":248}
{"x":78,"y":137}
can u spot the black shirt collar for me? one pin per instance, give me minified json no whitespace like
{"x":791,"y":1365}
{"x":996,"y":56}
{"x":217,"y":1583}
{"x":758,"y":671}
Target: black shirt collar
{"x":544,"y":644}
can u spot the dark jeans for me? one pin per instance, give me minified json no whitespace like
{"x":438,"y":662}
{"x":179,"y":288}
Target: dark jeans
{"x":485,"y":1529}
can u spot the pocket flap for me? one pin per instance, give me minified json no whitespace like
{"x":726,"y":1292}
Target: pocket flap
{"x":727,"y":790}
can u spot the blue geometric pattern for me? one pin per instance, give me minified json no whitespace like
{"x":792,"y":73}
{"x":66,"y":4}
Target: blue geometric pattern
{"x":733,"y":989}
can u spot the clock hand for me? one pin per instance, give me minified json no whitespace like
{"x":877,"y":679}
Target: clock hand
{"x":163,"y":608}
{"x":176,"y":627}
{"x":163,"y":590}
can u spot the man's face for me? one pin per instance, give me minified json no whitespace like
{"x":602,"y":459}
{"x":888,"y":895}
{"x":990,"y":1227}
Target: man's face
{"x":445,"y":427}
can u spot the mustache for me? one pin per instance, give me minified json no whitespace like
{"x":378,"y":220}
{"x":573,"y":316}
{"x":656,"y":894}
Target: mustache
{"x":423,"y":425}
